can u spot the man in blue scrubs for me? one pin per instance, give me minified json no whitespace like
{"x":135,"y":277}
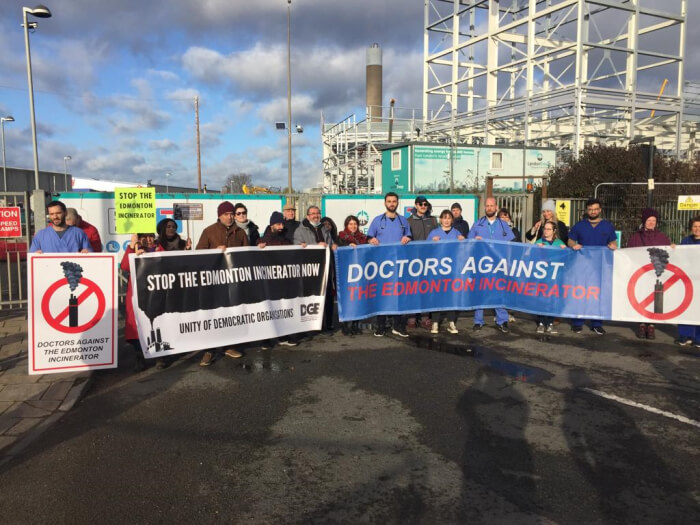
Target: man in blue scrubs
{"x":490,"y":227}
{"x":390,"y":227}
{"x":592,"y":231}
{"x":58,"y":237}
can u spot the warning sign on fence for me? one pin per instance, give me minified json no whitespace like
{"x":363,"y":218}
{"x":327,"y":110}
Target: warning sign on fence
{"x":689,"y":202}
{"x":72,"y":312}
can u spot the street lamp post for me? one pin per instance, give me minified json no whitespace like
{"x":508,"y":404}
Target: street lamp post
{"x":4,"y":164}
{"x":65,"y":171}
{"x":289,"y":97}
{"x":167,"y":182}
{"x":39,"y":11}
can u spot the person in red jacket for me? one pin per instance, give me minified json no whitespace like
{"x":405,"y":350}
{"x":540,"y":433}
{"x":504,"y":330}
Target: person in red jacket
{"x":141,"y":243}
{"x":73,"y":218}
{"x":648,"y":234}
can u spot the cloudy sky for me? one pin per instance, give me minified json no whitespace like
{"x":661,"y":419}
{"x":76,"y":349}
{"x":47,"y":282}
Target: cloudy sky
{"x":115,"y":81}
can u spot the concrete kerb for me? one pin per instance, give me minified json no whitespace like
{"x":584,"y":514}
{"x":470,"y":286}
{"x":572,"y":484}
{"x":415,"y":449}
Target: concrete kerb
{"x":77,"y":390}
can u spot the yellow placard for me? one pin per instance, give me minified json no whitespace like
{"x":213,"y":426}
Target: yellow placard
{"x":564,"y":211}
{"x":135,"y":210}
{"x":689,"y":202}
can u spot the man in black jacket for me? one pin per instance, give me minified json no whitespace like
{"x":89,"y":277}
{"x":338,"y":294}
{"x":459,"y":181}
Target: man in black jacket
{"x":459,"y":223}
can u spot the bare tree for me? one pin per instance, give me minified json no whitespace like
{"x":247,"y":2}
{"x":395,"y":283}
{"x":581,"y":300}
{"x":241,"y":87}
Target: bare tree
{"x":236,"y":181}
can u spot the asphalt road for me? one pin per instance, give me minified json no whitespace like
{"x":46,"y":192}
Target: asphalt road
{"x":455,"y":429}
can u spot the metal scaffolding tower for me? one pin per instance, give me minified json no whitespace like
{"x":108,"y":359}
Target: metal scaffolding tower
{"x":563,"y":73}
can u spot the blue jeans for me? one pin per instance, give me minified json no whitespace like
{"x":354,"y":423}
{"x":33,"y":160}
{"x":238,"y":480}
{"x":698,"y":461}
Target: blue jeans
{"x":501,"y":316}
{"x":580,"y":322}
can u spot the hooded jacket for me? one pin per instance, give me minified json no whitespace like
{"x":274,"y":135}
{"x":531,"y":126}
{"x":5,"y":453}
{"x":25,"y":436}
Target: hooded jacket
{"x":421,"y":226}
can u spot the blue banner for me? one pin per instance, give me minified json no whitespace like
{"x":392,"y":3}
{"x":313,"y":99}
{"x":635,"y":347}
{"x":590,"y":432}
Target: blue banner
{"x":465,"y":275}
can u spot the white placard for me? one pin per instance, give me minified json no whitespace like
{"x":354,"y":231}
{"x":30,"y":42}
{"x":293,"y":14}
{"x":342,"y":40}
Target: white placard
{"x":72,"y":319}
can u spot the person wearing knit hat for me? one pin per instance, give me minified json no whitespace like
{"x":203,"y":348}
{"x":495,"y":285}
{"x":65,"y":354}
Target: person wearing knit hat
{"x":461,"y":225}
{"x":549,"y":213}
{"x":648,"y":234}
{"x":221,"y":235}
{"x":276,"y":235}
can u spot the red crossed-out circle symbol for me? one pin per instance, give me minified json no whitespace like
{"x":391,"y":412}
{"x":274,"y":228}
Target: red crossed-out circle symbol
{"x":55,"y":322}
{"x":641,"y":306}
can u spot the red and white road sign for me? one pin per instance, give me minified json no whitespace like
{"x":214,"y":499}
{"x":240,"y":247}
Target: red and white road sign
{"x":72,"y":312}
{"x":10,"y":222}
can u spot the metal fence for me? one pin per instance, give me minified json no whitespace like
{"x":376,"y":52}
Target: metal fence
{"x":520,"y":206}
{"x":623,"y":204}
{"x":13,"y":253}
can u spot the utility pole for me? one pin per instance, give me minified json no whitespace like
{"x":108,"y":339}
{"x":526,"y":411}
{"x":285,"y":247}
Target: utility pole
{"x":199,"y":151}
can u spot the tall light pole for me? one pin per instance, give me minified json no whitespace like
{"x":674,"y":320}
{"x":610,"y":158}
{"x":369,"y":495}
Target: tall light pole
{"x":65,"y":171}
{"x":4,"y":164}
{"x":167,"y":182}
{"x":39,"y":11}
{"x":289,"y":97}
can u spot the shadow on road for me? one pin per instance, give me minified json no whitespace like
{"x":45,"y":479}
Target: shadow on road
{"x":631,"y":483}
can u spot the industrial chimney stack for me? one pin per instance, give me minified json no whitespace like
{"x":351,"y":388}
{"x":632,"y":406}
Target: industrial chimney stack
{"x":374,"y":83}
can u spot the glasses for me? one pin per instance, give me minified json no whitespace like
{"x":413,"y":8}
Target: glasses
{"x":421,"y":204}
{"x":241,"y":213}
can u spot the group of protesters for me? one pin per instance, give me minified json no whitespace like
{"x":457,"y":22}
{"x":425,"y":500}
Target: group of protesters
{"x":69,"y":233}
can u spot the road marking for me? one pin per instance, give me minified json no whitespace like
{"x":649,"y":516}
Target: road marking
{"x":631,"y":403}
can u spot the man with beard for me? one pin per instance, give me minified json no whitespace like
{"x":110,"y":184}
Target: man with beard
{"x":276,"y":235}
{"x":492,"y":228}
{"x":221,"y":235}
{"x":73,"y":218}
{"x":459,"y":223}
{"x":592,"y":230}
{"x":390,"y":227}
{"x":59,"y":237}
{"x":311,"y":231}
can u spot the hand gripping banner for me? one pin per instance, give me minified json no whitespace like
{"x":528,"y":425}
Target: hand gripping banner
{"x":464,"y":275}
{"x":185,"y":301}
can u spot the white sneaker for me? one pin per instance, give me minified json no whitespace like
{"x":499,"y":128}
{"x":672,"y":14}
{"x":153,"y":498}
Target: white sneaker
{"x":434,"y":329}
{"x":551,"y":329}
{"x":452,"y":328}
{"x":540,"y":328}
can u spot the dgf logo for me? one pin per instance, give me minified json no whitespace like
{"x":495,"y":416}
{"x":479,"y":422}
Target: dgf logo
{"x":310,"y":309}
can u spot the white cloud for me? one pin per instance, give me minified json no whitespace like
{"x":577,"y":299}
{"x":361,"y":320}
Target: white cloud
{"x":163,"y":145}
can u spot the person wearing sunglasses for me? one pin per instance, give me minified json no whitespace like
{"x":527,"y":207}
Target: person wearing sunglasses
{"x":244,"y":223}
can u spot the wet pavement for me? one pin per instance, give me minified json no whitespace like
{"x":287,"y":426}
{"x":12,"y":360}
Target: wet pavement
{"x":467,"y":428}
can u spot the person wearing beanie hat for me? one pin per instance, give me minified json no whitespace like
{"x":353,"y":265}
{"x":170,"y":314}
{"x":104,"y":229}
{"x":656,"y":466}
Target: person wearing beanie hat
{"x":549,"y":213}
{"x":459,"y":223}
{"x":648,"y":235}
{"x":221,"y":235}
{"x":276,"y":218}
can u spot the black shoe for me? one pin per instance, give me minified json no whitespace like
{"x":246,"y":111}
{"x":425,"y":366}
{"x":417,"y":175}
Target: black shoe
{"x":577,"y":329}
{"x":345,"y":329}
{"x":477,"y":328}
{"x":379,"y":332}
{"x":267,"y":344}
{"x":401,"y":332}
{"x":356,"y":330}
{"x":503,"y":327}
{"x":598,"y":330}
